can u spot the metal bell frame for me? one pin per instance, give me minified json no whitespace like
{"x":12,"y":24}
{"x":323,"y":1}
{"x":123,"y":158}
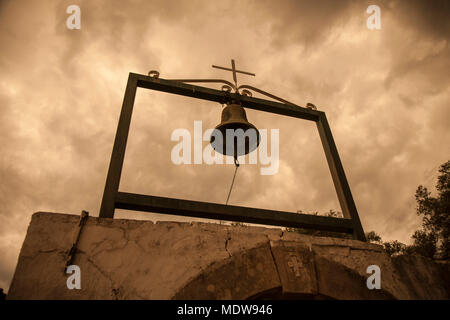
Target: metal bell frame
{"x":115,"y":199}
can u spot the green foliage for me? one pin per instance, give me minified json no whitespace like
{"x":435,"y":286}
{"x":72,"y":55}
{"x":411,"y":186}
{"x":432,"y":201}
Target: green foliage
{"x":373,"y":237}
{"x":330,"y":213}
{"x":334,"y":214}
{"x":315,"y":213}
{"x":424,"y":243}
{"x":394,"y":247}
{"x":238,"y":224}
{"x":434,"y":238}
{"x":319,"y":233}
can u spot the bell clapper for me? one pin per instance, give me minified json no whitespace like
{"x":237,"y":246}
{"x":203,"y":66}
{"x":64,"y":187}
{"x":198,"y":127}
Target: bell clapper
{"x":236,"y":162}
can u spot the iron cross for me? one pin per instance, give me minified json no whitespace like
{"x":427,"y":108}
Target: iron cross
{"x":233,"y":69}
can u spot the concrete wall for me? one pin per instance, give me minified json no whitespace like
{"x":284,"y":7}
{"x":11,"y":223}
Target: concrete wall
{"x":129,"y":259}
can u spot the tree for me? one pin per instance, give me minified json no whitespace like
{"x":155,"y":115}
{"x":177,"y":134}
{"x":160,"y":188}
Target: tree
{"x":435,"y":234}
{"x":433,"y":240}
{"x":373,"y":237}
{"x":395,"y":247}
{"x":333,"y":214}
{"x":320,"y":233}
{"x":424,"y":243}
{"x":391,"y":247}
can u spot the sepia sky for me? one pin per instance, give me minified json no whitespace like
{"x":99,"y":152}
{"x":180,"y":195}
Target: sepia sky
{"x":385,"y":92}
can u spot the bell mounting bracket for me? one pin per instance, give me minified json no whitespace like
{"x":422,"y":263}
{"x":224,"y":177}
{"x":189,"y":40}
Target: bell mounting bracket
{"x":115,"y":199}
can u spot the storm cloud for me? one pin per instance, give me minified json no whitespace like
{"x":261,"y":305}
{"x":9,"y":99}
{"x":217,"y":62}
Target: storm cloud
{"x":385,"y":92}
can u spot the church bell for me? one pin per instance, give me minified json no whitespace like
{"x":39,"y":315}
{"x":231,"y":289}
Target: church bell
{"x":242,"y":141}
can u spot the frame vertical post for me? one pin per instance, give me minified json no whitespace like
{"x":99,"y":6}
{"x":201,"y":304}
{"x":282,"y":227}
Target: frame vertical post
{"x":339,"y":179}
{"x":118,"y":152}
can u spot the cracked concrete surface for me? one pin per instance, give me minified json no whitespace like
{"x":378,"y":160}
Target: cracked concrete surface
{"x":130,"y":259}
